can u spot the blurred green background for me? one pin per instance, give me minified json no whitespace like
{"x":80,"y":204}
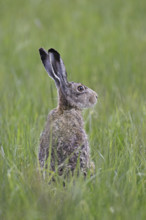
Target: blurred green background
{"x":103,"y":45}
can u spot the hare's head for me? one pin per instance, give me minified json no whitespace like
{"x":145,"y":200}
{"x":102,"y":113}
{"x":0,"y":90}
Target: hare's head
{"x":70,"y":93}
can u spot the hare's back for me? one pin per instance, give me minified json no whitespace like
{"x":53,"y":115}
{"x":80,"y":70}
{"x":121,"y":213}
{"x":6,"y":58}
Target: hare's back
{"x":66,"y":127}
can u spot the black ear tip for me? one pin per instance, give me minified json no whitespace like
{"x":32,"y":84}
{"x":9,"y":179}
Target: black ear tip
{"x":43,"y":53}
{"x":40,"y":49}
{"x":51,"y":50}
{"x":55,"y":53}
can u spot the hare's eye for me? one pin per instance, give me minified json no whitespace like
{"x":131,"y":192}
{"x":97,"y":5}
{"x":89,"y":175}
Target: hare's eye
{"x":80,"y":88}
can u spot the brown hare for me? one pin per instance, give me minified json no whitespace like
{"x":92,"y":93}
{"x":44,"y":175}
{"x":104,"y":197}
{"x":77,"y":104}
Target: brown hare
{"x":64,"y":143}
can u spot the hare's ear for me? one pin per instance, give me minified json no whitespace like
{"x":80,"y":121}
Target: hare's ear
{"x":46,"y":60}
{"x":58,"y":66}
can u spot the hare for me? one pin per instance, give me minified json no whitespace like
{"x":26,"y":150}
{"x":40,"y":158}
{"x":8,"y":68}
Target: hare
{"x":64,"y":143}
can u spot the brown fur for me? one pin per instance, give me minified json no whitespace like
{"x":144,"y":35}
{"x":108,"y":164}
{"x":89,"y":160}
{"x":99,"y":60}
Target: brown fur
{"x":64,"y":143}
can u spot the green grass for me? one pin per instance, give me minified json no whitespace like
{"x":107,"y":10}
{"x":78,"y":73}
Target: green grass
{"x":103,"y":45}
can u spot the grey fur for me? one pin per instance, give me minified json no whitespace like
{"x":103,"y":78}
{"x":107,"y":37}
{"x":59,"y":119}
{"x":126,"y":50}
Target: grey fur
{"x":64,"y":139}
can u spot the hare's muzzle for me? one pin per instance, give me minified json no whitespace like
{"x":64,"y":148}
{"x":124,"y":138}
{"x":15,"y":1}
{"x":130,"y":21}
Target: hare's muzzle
{"x":93,"y":98}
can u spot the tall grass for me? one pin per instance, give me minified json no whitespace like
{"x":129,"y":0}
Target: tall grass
{"x":103,"y":45}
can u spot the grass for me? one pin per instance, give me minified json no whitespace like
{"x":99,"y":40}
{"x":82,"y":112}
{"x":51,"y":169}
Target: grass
{"x":103,"y":45}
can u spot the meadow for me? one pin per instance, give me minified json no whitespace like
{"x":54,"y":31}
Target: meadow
{"x":103,"y":45}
